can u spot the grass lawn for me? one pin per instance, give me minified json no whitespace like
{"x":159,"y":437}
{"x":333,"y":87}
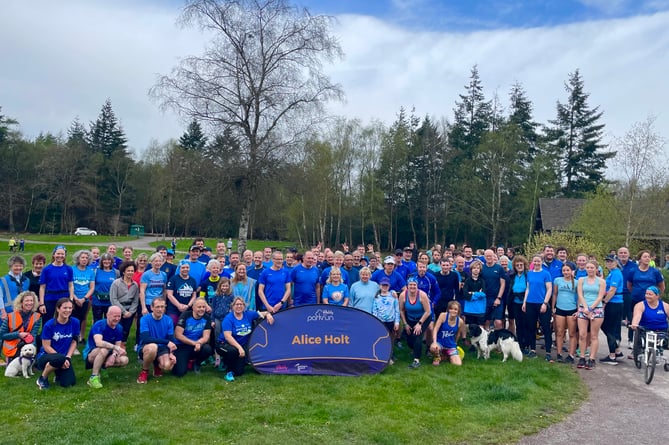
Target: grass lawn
{"x":481,"y":402}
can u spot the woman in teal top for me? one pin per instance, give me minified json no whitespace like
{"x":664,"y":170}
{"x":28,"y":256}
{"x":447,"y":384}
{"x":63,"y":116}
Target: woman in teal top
{"x":564,"y":303}
{"x":613,"y":310}
{"x":591,"y":290}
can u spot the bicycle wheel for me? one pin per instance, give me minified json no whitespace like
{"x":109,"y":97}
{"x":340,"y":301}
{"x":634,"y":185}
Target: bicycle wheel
{"x":649,"y":372}
{"x":636,"y":349}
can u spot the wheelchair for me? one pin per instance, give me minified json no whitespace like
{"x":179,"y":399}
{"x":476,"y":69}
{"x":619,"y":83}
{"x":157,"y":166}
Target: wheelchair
{"x":648,"y":351}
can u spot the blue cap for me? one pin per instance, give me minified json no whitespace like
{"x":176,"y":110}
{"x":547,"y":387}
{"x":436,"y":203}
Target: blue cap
{"x":654,"y":290}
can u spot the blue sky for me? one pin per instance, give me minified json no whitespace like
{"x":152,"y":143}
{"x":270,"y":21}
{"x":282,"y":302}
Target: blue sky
{"x":64,"y":59}
{"x":477,"y":15}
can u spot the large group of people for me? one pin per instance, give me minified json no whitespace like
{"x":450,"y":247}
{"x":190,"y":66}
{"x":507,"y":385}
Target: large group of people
{"x":203,"y":307}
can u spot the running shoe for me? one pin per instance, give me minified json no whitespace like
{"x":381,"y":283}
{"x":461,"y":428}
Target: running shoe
{"x":143,"y":376}
{"x":531,"y":354}
{"x":589,"y":364}
{"x":94,"y":382}
{"x":608,"y":361}
{"x":559,"y":358}
{"x":581,"y":363}
{"x":230,"y":377}
{"x":415,"y":364}
{"x":157,"y":372}
{"x":42,"y":382}
{"x":569,"y":360}
{"x":549,"y":359}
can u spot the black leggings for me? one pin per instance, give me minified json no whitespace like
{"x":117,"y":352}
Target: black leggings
{"x":530,"y":317}
{"x":66,"y":377}
{"x":184,"y":353}
{"x":233,"y":362}
{"x":613,"y":316}
{"x":415,"y":342}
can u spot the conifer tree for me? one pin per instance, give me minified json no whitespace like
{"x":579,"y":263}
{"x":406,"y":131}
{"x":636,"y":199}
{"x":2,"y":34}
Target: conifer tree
{"x":576,"y":134}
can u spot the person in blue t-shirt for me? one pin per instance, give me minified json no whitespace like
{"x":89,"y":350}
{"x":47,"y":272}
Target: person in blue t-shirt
{"x":105,"y":276}
{"x":156,"y":341}
{"x":536,"y":307}
{"x":104,"y":348}
{"x":613,"y":310}
{"x":192,"y":333}
{"x":495,"y":284}
{"x":274,"y":285}
{"x":305,"y":280}
{"x":55,"y":283}
{"x":335,"y":291}
{"x":236,"y":331}
{"x":83,"y":278}
{"x":59,"y":340}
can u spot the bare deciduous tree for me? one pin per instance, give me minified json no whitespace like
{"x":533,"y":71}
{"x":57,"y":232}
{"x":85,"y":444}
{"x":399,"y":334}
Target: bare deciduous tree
{"x":640,"y":158}
{"x":260,"y":76}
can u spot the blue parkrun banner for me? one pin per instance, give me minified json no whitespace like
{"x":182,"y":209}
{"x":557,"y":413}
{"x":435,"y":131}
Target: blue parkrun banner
{"x":320,"y":340}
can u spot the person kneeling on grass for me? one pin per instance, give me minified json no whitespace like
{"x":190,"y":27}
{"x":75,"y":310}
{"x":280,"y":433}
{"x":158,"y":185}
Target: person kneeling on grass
{"x":156,"y":341}
{"x":104,"y":346}
{"x":236,"y":330}
{"x":192,"y":334}
{"x":447,"y":329}
{"x":59,"y":340}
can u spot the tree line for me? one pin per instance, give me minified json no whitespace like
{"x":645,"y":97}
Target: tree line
{"x":260,"y":159}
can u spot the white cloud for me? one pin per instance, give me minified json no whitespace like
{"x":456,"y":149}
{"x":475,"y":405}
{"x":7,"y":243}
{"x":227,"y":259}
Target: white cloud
{"x":621,"y":61}
{"x":64,"y":61}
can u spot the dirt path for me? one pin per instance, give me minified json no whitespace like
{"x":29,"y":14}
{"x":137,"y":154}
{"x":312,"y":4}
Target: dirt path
{"x":137,"y":243}
{"x":621,"y":407}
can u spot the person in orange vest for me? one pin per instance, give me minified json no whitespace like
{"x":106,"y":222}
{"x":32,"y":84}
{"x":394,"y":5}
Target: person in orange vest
{"x":21,"y":326}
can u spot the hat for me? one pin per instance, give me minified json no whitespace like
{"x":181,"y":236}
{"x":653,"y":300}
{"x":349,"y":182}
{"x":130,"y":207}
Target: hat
{"x":654,"y":290}
{"x":384,"y":281}
{"x":207,"y":249}
{"x":412,"y":280}
{"x":408,"y":249}
{"x":194,"y":247}
{"x":170,"y":252}
{"x":398,"y":251}
{"x":389,"y":260}
{"x":610,"y":257}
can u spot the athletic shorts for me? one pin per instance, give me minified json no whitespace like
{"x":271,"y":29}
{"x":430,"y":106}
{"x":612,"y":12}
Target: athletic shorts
{"x":450,"y":352}
{"x":162,"y":350}
{"x":597,"y":312}
{"x":564,"y":313}
{"x":494,"y":313}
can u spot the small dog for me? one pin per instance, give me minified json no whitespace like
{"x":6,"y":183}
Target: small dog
{"x":479,"y":337}
{"x":23,"y":364}
{"x":504,"y":341}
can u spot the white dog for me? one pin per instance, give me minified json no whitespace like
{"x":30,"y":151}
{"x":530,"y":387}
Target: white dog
{"x":501,"y":340}
{"x":23,"y":363}
{"x":504,"y":341}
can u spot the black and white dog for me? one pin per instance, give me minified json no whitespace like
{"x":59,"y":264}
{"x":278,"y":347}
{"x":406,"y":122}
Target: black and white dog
{"x":501,"y":340}
{"x":23,"y":364}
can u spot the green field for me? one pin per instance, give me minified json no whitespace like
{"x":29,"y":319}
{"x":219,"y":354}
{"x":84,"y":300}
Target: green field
{"x":481,"y":402}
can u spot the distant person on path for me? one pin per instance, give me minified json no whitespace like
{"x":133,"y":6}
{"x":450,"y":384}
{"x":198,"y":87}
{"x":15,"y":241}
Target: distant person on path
{"x":22,"y":245}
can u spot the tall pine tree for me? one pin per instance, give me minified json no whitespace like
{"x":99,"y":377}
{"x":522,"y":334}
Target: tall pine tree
{"x":106,"y":135}
{"x":576,"y":134}
{"x":193,"y":138}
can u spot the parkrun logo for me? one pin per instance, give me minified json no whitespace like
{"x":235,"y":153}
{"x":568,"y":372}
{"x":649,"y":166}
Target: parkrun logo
{"x":321,"y":315}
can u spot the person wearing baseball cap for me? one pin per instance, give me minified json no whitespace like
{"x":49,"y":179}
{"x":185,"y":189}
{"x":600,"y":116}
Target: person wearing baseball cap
{"x":397,"y":282}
